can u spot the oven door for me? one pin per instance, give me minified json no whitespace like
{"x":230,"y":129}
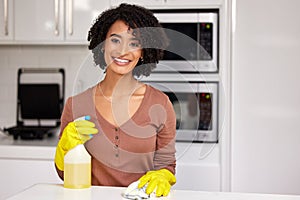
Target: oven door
{"x":195,"y":105}
{"x":193,"y":42}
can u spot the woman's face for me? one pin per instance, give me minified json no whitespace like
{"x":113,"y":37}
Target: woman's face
{"x":122,"y":49}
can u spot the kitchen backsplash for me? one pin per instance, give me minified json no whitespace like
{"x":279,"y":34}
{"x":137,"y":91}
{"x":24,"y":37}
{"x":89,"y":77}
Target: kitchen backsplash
{"x":75,"y":59}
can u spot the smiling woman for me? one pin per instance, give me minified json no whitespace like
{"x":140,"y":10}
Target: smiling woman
{"x":136,"y":123}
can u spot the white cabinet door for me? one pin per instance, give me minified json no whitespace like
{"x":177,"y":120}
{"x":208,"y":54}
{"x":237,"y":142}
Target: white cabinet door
{"x":146,"y":3}
{"x":39,"y":20}
{"x":172,"y":3}
{"x":186,"y":3}
{"x":6,"y":20}
{"x":80,"y":15}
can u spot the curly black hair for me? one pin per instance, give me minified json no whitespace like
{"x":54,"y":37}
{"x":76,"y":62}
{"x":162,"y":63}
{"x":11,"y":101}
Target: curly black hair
{"x":152,"y":36}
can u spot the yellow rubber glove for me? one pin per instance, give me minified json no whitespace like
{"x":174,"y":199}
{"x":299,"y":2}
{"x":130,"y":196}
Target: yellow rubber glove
{"x":77,"y":132}
{"x":161,"y":179}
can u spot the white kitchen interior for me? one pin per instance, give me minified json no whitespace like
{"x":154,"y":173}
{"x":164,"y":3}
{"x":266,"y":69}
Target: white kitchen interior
{"x":259,"y":99}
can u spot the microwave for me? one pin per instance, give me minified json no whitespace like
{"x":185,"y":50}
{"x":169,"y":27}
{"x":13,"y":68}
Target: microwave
{"x":196,"y":108}
{"x":193,"y":39}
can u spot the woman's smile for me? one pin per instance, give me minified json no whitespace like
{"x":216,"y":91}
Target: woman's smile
{"x":121,"y":61}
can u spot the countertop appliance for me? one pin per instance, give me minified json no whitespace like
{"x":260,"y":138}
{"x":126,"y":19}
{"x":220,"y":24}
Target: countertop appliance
{"x":193,"y":36}
{"x":39,"y":103}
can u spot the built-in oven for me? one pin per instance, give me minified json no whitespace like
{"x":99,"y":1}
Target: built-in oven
{"x":196,"y":108}
{"x":193,"y":38}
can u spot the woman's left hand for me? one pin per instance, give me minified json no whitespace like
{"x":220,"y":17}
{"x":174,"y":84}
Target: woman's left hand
{"x":161,"y":180}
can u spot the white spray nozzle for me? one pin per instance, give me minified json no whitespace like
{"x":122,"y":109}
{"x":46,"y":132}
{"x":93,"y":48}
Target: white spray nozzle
{"x":86,"y":117}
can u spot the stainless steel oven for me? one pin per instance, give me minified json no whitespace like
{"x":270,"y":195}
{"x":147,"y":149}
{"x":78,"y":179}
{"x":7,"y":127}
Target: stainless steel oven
{"x":196,"y":108}
{"x":193,"y":38}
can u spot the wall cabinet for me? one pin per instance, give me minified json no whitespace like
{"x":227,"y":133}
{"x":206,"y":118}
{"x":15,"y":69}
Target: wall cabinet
{"x":165,"y":4}
{"x":185,"y":3}
{"x":80,"y":15}
{"x":6,"y":20}
{"x":146,"y":3}
{"x":39,"y":20}
{"x":49,"y":21}
{"x":67,"y":21}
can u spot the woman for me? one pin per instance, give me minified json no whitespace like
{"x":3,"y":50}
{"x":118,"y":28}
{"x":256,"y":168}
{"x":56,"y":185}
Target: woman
{"x":135,"y":123}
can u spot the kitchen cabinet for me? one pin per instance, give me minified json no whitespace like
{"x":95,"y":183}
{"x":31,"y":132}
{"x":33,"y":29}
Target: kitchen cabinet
{"x":39,"y":20}
{"x":198,"y":166}
{"x":48,"y":21}
{"x":146,"y":3}
{"x":165,"y":4}
{"x":193,"y":3}
{"x":17,"y":175}
{"x":6,"y":20}
{"x":80,"y":16}
{"x":25,"y":163}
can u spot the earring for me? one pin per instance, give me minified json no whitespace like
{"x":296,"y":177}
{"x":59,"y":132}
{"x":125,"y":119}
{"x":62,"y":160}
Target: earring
{"x":102,"y":50}
{"x":141,"y":59}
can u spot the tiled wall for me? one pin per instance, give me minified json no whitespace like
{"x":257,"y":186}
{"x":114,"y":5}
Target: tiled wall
{"x":75,"y":59}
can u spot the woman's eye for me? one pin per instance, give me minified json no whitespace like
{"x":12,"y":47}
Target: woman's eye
{"x":135,"y":44}
{"x":115,"y":40}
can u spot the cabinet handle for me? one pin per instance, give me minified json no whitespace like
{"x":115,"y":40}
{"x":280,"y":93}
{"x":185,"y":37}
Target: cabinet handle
{"x":70,"y":17}
{"x":5,"y":5}
{"x":56,"y":15}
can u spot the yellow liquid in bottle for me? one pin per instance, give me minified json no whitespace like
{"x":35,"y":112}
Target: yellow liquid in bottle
{"x":77,"y":176}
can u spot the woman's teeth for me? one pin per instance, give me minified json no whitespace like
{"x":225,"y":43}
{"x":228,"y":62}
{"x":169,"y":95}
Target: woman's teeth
{"x":121,"y":60}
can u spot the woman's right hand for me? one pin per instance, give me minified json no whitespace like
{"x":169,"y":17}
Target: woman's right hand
{"x":77,"y":132}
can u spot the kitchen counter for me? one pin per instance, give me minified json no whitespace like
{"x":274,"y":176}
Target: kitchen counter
{"x":6,"y":139}
{"x":19,"y":158}
{"x":197,"y":160}
{"x":27,"y":149}
{"x":57,"y":191}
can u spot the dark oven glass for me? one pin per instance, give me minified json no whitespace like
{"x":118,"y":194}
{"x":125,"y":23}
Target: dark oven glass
{"x":180,"y":47}
{"x":183,"y":41}
{"x":193,"y":110}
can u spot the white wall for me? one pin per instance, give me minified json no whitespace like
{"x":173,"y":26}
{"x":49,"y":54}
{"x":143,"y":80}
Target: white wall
{"x":266,"y":97}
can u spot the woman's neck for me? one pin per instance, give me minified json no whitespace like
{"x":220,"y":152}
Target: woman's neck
{"x":118,"y":84}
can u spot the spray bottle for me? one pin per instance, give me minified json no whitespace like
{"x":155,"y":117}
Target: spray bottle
{"x":77,"y":166}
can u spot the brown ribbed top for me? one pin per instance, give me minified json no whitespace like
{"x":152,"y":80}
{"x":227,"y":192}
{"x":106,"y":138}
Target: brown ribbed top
{"x":121,"y":155}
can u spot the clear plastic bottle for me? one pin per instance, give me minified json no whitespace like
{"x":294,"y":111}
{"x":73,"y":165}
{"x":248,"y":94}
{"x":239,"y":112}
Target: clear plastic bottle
{"x":77,"y":171}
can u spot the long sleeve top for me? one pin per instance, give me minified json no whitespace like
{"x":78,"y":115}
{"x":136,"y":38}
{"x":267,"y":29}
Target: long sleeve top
{"x":121,"y":155}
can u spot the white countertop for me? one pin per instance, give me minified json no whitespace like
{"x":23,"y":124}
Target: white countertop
{"x":43,"y":149}
{"x":58,"y":192}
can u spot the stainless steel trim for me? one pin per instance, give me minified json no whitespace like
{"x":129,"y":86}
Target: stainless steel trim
{"x":40,"y":70}
{"x":56,"y":16}
{"x":70,"y":16}
{"x":5,"y":6}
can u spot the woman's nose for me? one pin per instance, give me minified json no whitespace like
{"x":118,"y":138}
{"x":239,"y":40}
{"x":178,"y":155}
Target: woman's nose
{"x":123,"y":50}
